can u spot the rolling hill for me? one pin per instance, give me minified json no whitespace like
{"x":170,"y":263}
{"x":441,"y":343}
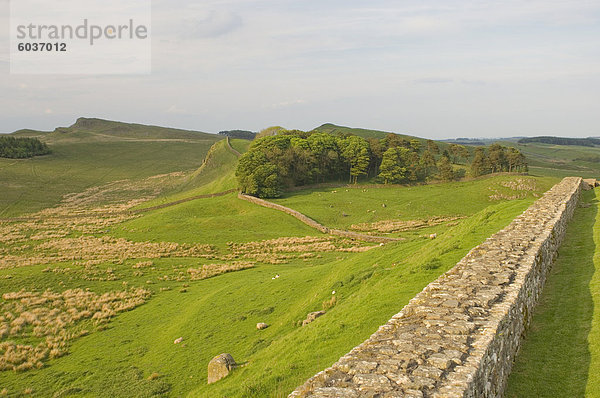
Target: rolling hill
{"x":93,"y":152}
{"x":153,"y":256}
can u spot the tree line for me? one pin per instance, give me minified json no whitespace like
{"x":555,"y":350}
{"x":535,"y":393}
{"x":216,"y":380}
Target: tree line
{"x":20,"y":148}
{"x":590,"y":142}
{"x":296,"y":158}
{"x":496,"y":159}
{"x":241,"y":134}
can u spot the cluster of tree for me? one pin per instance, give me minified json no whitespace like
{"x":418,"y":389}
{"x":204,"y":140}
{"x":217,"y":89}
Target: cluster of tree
{"x":562,"y":141}
{"x":295,"y":158}
{"x":497,"y":158}
{"x":20,"y":148}
{"x":241,"y":134}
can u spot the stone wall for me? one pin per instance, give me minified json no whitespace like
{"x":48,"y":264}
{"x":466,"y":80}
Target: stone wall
{"x":313,"y":224}
{"x":460,"y":335}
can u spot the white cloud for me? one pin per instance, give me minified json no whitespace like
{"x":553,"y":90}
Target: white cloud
{"x":174,"y":109}
{"x":429,"y":67}
{"x":285,"y":104}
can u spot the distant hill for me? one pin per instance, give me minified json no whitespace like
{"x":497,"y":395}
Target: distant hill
{"x":100,"y":129}
{"x":590,"y":142}
{"x":365,"y":133}
{"x":93,"y":152}
{"x":467,"y":141}
{"x":241,"y":134}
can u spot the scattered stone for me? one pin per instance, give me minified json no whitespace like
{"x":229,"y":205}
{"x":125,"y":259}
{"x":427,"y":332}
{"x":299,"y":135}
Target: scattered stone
{"x":590,"y":183}
{"x":312,"y":316}
{"x":261,"y":326}
{"x":220,"y":367}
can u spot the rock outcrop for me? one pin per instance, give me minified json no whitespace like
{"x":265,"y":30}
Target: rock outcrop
{"x":220,"y":367}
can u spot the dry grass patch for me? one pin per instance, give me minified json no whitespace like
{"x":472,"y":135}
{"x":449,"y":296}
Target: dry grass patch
{"x":279,"y":251}
{"x":92,"y":251}
{"x":45,"y":322}
{"x":210,"y":270}
{"x":391,"y":226}
{"x":521,"y":186}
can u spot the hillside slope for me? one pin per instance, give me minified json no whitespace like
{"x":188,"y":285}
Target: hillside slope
{"x":93,"y":152}
{"x":560,"y":160}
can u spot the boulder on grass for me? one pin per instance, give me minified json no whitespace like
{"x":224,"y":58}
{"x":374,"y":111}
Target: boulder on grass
{"x":312,"y":316}
{"x":220,"y":367}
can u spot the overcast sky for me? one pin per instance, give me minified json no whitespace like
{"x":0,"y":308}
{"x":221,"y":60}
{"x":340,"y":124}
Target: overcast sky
{"x":435,"y":69}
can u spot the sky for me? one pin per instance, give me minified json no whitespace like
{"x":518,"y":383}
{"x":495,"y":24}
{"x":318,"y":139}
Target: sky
{"x":434,"y":69}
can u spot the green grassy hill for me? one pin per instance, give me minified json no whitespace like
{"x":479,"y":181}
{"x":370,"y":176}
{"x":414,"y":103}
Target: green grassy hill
{"x":206,"y":270}
{"x":134,"y":354}
{"x":560,"y":160}
{"x":94,"y":152}
{"x":365,"y":133}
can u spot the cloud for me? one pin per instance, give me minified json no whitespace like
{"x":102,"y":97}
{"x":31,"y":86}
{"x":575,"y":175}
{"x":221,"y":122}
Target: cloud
{"x":174,"y":109}
{"x":210,"y":24}
{"x":286,"y":104}
{"x":433,"y":80}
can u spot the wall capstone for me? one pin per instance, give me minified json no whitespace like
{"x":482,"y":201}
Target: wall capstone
{"x":460,"y":335}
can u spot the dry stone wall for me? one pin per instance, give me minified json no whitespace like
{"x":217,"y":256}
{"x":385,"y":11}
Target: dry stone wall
{"x":460,"y":335}
{"x":313,"y":224}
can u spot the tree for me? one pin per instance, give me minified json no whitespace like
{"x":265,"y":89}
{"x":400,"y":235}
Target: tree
{"x":497,"y":158}
{"x":355,"y":151}
{"x":415,"y":145}
{"x":446,"y":172}
{"x":428,"y":164}
{"x":257,"y":176}
{"x":433,"y":147}
{"x":479,"y":165}
{"x":464,"y":152}
{"x":456,"y":151}
{"x":265,"y":182}
{"x":326,"y":152}
{"x":377,"y":150}
{"x":394,"y":166}
{"x":19,"y":148}
{"x":516,"y":160}
{"x":302,"y":161}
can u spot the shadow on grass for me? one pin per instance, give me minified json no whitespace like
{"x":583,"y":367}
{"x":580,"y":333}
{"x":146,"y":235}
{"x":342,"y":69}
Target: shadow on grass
{"x":554,"y":360}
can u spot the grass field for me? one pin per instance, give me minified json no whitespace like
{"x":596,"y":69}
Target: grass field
{"x":216,"y":174}
{"x":560,"y":356}
{"x":346,"y":207}
{"x":560,"y":160}
{"x":94,"y":293}
{"x":124,"y":355}
{"x":85,"y":157}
